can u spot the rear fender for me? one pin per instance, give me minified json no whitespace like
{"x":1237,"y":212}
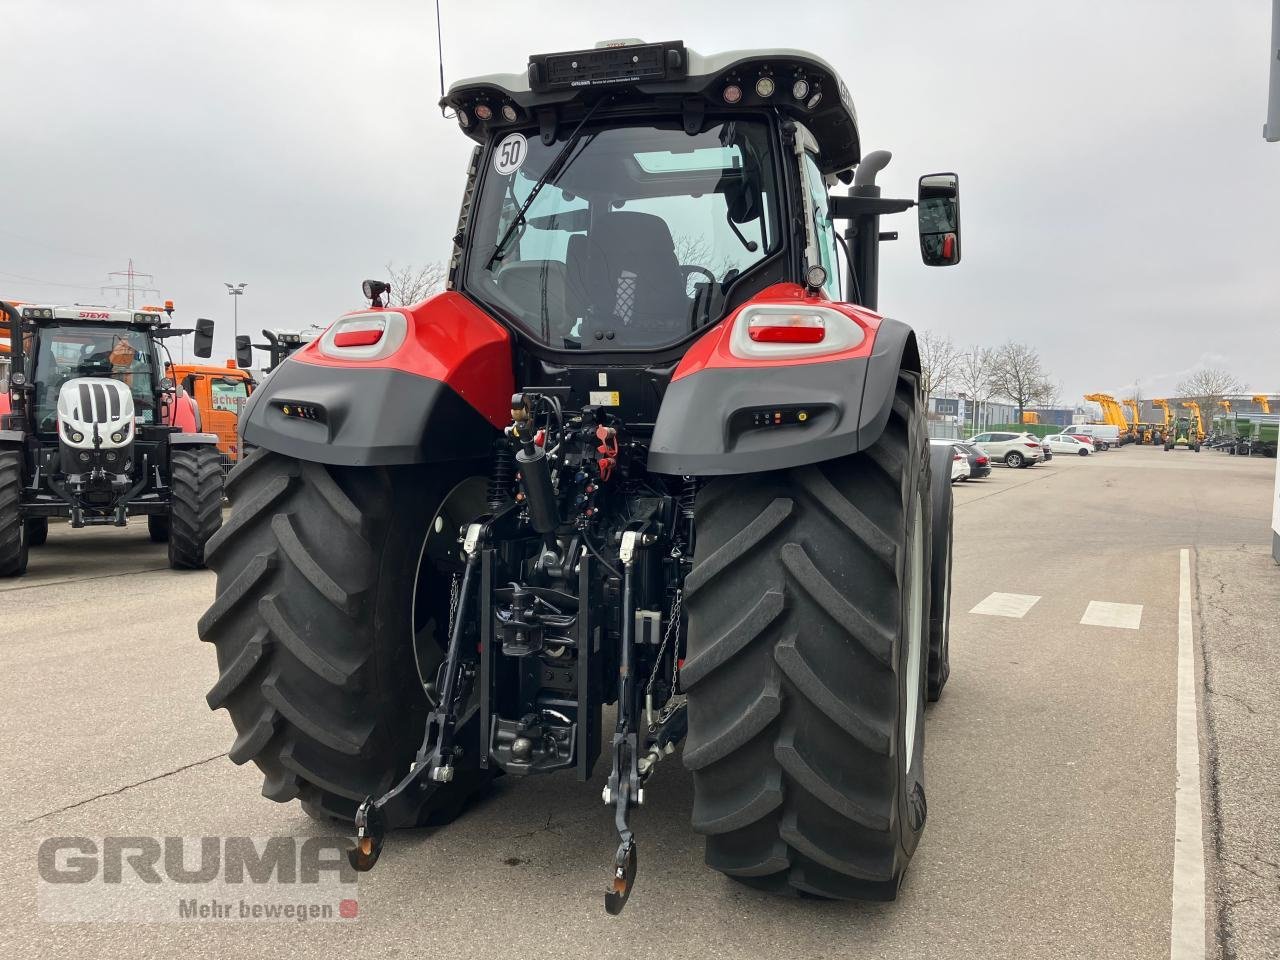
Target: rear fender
{"x":192,"y":439}
{"x":442,"y":393}
{"x":722,"y":417}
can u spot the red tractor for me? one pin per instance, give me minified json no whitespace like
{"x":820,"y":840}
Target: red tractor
{"x":91,"y":430}
{"x":646,"y":450}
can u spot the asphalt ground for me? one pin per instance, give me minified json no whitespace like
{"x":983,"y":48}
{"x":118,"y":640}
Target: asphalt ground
{"x":1050,"y":758}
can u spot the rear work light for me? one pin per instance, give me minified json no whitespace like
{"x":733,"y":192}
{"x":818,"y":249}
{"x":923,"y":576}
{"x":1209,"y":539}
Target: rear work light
{"x":798,"y":327}
{"x":358,"y":338}
{"x":365,"y":336}
{"x":779,"y":331}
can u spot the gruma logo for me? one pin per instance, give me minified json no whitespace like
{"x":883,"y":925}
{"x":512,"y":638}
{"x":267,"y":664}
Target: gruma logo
{"x":201,"y":879}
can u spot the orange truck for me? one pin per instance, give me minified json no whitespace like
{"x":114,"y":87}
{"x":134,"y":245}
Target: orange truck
{"x":219,"y":392}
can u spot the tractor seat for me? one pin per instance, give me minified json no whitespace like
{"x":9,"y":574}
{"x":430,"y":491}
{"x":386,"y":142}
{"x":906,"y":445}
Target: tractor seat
{"x":629,"y":281}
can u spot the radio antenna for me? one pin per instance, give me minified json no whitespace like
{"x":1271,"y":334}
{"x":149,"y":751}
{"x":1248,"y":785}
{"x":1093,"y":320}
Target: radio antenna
{"x":440,"y":56}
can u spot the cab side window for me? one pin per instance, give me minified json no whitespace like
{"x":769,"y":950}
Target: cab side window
{"x":824,"y":230}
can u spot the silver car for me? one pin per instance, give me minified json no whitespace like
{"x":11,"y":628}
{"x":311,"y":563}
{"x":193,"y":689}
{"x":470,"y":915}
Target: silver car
{"x":1011,"y":449}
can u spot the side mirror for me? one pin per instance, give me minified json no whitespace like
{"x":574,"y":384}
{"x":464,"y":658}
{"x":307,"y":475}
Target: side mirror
{"x":939,"y":210}
{"x":244,"y":351}
{"x":203,"y":344}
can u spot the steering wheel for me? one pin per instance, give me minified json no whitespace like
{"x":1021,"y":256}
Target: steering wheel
{"x":690,"y":270}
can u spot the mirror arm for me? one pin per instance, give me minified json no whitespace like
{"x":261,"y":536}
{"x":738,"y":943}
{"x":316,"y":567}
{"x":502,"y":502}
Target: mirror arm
{"x":851,"y":207}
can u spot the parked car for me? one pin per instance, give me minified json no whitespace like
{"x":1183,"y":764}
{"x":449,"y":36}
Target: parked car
{"x":979,"y":462}
{"x":959,"y":458}
{"x":1011,"y":449}
{"x":1044,"y":447}
{"x":1103,"y":435}
{"x":1065,"y":443}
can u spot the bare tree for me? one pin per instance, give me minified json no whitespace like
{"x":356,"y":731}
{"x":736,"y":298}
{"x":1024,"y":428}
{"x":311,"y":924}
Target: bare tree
{"x":1018,"y":375}
{"x":973,"y":372}
{"x":972,"y":376}
{"x":410,"y":285}
{"x":696,"y":251}
{"x":938,"y":360}
{"x":1208,"y":386}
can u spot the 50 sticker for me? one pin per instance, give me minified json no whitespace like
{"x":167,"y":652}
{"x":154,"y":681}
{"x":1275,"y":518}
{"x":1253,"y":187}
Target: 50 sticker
{"x":510,"y":154}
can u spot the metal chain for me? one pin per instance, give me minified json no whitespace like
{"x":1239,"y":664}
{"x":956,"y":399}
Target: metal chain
{"x":673,"y":628}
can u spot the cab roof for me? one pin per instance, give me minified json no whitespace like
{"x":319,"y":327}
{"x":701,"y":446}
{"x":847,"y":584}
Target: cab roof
{"x":90,"y":314}
{"x":669,"y":78}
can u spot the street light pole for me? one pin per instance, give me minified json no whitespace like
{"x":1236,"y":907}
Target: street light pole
{"x":235,"y":290}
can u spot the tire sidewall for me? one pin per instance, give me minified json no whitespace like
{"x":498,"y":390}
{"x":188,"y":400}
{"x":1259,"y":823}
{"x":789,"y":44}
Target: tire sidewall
{"x":1014,"y":460}
{"x":918,"y":489}
{"x":395,"y":666}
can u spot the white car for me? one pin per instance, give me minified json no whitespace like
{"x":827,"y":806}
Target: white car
{"x":1065,"y":443}
{"x":1103,"y":435}
{"x":1012,"y":449}
{"x":959,"y":459}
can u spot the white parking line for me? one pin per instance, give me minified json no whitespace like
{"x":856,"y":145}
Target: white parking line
{"x":1100,"y":613}
{"x":1013,"y":605}
{"x":1186,"y":934}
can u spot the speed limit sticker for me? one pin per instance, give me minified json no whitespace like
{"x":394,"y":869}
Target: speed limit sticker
{"x":510,"y":154}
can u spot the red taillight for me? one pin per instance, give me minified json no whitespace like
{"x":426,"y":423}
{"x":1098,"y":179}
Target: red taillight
{"x":357,"y":338}
{"x":1033,"y":445}
{"x":981,"y":461}
{"x":787,"y":328}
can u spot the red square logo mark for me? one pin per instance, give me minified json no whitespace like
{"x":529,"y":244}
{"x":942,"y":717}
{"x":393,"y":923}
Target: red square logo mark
{"x":348,"y":909}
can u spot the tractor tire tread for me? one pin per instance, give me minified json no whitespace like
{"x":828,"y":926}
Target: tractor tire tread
{"x":793,"y":688}
{"x":195,"y":509}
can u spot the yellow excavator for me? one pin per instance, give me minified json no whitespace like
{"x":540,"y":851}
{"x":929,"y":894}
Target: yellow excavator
{"x":1112,"y":414}
{"x":1142,"y":432}
{"x":1262,"y":400}
{"x":1162,"y":430}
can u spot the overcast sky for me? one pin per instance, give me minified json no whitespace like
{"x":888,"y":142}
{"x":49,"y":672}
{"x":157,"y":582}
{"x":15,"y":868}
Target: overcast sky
{"x":1121,"y":211}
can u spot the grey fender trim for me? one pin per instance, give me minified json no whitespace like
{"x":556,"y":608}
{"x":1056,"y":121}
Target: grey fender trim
{"x":700,"y":429}
{"x":191,"y":439}
{"x":368,"y":416}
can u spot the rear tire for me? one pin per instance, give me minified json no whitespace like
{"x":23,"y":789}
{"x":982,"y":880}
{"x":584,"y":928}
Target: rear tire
{"x":808,"y":606}
{"x":334,"y":715}
{"x":37,"y":531}
{"x":195,"y":504}
{"x":13,"y":532}
{"x":1015,"y":460}
{"x":158,"y":528}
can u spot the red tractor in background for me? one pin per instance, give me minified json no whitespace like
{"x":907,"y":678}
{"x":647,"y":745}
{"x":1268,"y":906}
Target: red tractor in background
{"x":650,"y":449}
{"x":92,"y":430}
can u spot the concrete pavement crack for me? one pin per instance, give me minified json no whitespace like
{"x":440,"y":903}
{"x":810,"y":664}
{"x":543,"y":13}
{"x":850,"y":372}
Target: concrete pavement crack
{"x":127,"y":786}
{"x":996,"y":493}
{"x":66,"y":580}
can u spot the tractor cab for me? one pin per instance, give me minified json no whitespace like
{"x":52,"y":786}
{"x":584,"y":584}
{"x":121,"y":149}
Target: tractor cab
{"x":626,"y":198}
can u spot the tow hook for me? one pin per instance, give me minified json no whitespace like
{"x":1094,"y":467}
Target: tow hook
{"x":370,"y":831}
